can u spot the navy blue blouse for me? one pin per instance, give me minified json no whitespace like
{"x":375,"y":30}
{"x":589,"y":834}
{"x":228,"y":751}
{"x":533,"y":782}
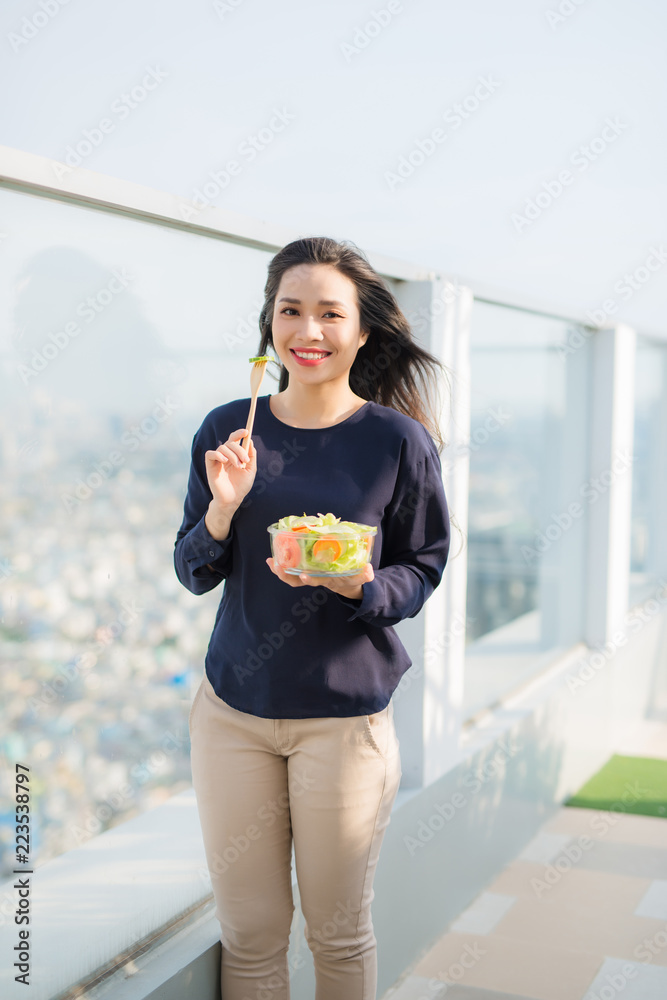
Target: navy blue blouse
{"x":284,"y":652}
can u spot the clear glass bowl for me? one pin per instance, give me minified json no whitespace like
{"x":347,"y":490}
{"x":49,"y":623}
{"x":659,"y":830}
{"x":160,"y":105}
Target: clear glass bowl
{"x":343,"y":552}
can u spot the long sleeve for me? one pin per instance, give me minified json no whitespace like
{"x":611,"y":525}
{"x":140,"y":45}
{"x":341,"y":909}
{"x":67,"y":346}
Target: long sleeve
{"x":195,"y":548}
{"x":415,"y":541}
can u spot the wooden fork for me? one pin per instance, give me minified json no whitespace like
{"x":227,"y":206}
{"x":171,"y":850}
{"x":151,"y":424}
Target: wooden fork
{"x":256,"y":376}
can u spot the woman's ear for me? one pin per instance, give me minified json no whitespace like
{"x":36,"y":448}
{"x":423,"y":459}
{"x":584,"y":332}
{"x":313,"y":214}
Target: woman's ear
{"x":364,"y":337}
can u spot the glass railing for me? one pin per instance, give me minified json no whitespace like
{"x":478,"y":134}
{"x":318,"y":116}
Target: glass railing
{"x":118,"y":337}
{"x":517,"y":406}
{"x":648,"y":554}
{"x":519,"y":457}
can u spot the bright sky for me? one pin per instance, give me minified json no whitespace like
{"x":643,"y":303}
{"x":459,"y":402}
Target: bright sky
{"x":332,"y":96}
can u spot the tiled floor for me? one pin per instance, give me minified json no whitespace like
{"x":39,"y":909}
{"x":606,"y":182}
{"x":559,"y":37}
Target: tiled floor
{"x":580,"y":914}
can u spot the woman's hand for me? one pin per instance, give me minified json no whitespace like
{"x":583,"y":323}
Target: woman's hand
{"x":346,"y":586}
{"x":231,"y":470}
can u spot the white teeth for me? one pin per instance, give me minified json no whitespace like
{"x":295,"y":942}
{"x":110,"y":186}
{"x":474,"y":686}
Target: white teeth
{"x":311,"y":354}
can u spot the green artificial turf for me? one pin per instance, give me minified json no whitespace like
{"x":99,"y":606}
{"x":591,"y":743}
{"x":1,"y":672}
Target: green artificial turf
{"x":626,"y":784}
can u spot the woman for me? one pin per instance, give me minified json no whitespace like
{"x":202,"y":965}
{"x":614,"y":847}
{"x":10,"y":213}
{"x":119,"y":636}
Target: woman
{"x":292,"y":731}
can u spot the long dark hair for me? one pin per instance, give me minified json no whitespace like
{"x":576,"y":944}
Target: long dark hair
{"x":390,"y":368}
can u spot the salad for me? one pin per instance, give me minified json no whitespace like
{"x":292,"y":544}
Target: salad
{"x":321,"y":545}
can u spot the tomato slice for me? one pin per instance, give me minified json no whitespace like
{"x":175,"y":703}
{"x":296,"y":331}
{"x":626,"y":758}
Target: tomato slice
{"x":287,"y":551}
{"x":327,"y":550}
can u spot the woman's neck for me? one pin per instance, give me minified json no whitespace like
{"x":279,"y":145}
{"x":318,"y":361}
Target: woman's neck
{"x":312,"y":409}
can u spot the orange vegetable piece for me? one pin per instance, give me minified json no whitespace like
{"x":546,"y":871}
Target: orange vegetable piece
{"x":327,"y":549}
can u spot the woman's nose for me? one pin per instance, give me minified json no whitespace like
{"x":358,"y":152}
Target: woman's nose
{"x":311,"y":328}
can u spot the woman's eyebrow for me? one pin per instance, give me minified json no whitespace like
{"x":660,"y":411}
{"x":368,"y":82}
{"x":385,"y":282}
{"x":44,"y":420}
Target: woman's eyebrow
{"x":322,"y":302}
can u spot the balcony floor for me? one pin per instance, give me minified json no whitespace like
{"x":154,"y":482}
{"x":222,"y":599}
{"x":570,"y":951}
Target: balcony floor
{"x":556,"y":926}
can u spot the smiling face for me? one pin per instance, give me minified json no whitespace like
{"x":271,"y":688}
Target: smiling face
{"x":316,"y":323}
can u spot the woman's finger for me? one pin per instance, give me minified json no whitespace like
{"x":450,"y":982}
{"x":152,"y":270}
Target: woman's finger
{"x":293,"y":581}
{"x":338,"y":585}
{"x":216,"y":456}
{"x":234,"y":457}
{"x":229,"y":455}
{"x":236,"y":437}
{"x":234,"y":447}
{"x":240,"y":452}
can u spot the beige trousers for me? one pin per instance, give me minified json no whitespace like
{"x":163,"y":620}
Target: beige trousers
{"x":328,"y":786}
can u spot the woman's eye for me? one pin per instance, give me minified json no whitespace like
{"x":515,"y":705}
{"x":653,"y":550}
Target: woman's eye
{"x":289,"y":309}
